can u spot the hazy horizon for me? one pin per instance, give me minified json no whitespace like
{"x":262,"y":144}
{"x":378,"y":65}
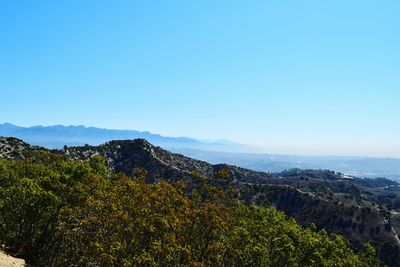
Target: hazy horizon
{"x":252,"y":149}
{"x":299,"y":77}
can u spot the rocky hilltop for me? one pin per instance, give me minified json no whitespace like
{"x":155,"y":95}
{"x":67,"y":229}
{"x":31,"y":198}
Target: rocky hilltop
{"x":13,"y":148}
{"x":124,"y":156}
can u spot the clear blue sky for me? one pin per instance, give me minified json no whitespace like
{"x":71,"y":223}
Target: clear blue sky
{"x":314,"y":77}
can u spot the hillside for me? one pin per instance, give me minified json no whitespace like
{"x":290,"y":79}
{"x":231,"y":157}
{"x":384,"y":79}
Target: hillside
{"x":124,"y":156}
{"x":363,"y":210}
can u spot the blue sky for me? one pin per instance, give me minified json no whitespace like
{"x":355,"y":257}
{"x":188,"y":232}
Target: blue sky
{"x":304,"y":77}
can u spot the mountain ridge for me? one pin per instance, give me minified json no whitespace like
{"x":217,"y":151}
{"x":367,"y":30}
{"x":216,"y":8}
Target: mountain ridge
{"x":216,"y":152}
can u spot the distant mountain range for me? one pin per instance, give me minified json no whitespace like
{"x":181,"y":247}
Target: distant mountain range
{"x":58,"y":136}
{"x":216,"y":152}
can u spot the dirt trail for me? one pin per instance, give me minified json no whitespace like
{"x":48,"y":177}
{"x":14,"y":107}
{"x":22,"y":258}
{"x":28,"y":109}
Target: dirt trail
{"x":8,"y":261}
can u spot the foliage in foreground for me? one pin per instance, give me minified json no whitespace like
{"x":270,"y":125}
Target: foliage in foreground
{"x":55,"y":212}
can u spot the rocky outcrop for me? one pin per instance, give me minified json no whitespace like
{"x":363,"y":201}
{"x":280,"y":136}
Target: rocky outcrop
{"x":124,"y":156}
{"x":13,"y":148}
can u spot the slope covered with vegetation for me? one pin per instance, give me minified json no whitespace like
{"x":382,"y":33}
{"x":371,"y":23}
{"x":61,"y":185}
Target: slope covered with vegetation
{"x":59,"y":212}
{"x":362,"y":210}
